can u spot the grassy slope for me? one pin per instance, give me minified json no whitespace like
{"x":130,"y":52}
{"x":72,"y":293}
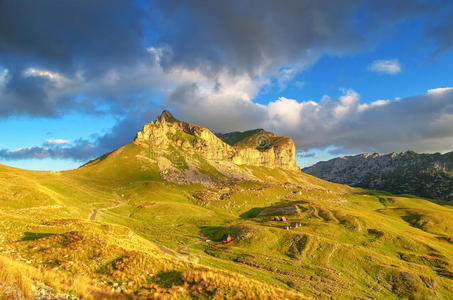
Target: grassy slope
{"x":256,"y":138}
{"x":352,"y":242}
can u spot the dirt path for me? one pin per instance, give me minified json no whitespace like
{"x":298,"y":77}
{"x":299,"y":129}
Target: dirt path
{"x":95,"y":210}
{"x":93,"y":215}
{"x":334,"y":248}
{"x":169,"y":252}
{"x":180,"y":250}
{"x":203,"y":238}
{"x":183,"y":255}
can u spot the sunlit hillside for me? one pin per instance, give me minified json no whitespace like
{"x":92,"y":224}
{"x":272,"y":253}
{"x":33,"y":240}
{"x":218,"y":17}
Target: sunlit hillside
{"x":115,"y":229}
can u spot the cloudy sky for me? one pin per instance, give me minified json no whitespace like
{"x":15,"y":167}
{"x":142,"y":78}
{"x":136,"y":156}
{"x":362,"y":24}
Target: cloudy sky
{"x":80,"y":78}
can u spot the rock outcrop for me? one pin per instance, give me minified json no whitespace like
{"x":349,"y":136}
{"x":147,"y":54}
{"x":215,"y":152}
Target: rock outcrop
{"x":426,"y":175}
{"x":254,"y":148}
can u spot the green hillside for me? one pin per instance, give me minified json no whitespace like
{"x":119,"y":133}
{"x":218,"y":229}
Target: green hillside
{"x":114,"y":229}
{"x":258,"y":138}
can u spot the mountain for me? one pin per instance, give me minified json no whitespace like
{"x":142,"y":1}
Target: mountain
{"x":425,"y":175}
{"x":183,"y":153}
{"x":148,"y":220}
{"x":256,"y":147}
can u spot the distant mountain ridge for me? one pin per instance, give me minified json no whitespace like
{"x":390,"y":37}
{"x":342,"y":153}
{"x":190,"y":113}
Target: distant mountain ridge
{"x":426,"y":175}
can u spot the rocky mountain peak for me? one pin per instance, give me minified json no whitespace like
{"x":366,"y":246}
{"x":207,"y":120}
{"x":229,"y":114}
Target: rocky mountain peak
{"x":166,"y":116}
{"x":171,"y":142}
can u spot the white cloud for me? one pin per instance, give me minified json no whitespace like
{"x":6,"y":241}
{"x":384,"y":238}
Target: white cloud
{"x":3,"y":74}
{"x":285,"y":111}
{"x":391,"y":66}
{"x":3,"y":80}
{"x":52,"y":76}
{"x":439,"y":91}
{"x":344,"y":122}
{"x":223,"y":102}
{"x":156,"y":53}
{"x":57,"y":142}
{"x":374,"y":104}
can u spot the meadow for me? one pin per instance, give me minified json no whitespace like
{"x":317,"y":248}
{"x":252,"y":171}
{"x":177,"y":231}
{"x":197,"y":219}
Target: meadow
{"x":114,"y":229}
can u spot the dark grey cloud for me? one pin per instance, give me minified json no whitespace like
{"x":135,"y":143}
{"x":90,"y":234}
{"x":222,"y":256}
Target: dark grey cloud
{"x":125,"y":129}
{"x":74,"y":39}
{"x":85,"y":149}
{"x":253,"y":36}
{"x":100,"y":47}
{"x":81,"y":150}
{"x":25,"y":94}
{"x":68,"y":35}
{"x":441,"y":30}
{"x":337,"y":151}
{"x":264,"y":35}
{"x":91,"y":57}
{"x":218,"y":110}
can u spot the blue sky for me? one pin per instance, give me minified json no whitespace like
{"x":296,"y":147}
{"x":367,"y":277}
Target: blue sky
{"x":340,"y":79}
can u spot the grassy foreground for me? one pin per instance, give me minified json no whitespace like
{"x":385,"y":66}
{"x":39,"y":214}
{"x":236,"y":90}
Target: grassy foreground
{"x":114,"y":229}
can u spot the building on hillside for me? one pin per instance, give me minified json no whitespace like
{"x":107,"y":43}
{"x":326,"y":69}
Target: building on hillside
{"x":226,"y":238}
{"x":295,"y":225}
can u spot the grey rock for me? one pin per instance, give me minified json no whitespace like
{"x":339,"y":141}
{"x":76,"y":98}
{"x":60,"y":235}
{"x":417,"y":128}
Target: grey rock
{"x":425,"y":175}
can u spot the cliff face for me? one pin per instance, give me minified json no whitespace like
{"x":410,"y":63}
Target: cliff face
{"x":262,"y":148}
{"x":426,"y":175}
{"x":254,"y":148}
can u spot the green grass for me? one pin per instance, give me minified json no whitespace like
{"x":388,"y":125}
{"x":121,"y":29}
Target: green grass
{"x":257,"y":138}
{"x":236,"y":137}
{"x":182,"y":136}
{"x":177,"y":159}
{"x":353,"y":243}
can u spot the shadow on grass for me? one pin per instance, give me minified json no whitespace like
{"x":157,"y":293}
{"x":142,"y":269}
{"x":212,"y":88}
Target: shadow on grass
{"x":97,"y":160}
{"x":214,"y":233}
{"x":33,"y":236}
{"x":381,"y":194}
{"x":168,"y":279}
{"x":252,"y":213}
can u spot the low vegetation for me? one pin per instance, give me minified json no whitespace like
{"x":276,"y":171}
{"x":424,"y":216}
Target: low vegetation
{"x":114,"y":229}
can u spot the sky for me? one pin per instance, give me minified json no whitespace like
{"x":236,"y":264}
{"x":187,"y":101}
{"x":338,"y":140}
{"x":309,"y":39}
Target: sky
{"x":79,"y":78}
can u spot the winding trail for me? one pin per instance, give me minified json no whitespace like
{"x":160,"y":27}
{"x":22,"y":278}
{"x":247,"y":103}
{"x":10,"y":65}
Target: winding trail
{"x":183,"y":255}
{"x":334,"y":248}
{"x":95,"y":210}
{"x":180,"y":253}
{"x":169,"y":252}
{"x":93,"y":215}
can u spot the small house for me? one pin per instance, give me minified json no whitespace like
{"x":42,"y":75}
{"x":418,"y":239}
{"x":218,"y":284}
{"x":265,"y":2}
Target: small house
{"x":295,"y":225}
{"x":226,"y":238}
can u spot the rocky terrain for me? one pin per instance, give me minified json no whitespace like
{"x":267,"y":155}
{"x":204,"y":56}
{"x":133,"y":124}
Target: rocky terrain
{"x":185,"y":151}
{"x":425,"y":175}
